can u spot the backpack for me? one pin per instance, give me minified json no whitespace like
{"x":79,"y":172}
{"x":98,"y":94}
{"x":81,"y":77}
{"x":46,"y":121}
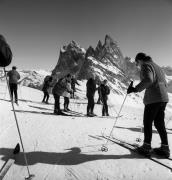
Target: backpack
{"x":5,"y":53}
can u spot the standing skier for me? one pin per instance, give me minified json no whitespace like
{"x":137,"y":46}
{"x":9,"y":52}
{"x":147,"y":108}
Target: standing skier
{"x":104,"y":91}
{"x":91,"y":89}
{"x":14,"y":76}
{"x":46,"y":88}
{"x":155,"y":100}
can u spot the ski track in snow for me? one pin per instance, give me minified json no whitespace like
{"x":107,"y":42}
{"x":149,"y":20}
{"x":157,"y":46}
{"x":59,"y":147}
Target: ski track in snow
{"x":68,"y":148}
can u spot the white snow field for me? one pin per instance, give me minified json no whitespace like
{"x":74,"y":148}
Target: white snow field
{"x":68,"y":147}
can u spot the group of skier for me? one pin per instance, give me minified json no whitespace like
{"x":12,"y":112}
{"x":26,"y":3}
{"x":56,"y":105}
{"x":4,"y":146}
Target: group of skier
{"x":152,"y":81}
{"x":65,"y":87}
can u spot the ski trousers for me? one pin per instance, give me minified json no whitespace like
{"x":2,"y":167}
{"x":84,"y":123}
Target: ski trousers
{"x":90,"y":106}
{"x":155,"y":113}
{"x":56,"y":103}
{"x":46,"y":96}
{"x":13,"y":90}
{"x":105,"y":106}
{"x":66,"y":102}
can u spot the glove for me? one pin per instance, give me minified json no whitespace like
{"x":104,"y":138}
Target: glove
{"x":131,"y":90}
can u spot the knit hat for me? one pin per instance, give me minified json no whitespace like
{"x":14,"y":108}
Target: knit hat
{"x":143,"y":57}
{"x":140,"y":56}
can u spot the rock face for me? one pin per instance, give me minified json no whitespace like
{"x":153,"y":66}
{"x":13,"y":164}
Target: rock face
{"x":105,"y":61}
{"x":70,"y":60}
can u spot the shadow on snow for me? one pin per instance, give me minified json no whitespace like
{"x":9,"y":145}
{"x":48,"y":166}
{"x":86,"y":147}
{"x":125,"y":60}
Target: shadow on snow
{"x":74,"y":156}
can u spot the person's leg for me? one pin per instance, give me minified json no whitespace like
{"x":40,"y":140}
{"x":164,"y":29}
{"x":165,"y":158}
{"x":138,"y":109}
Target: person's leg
{"x":160,"y":124}
{"x":47,"y":97}
{"x":15,"y":93}
{"x":103,"y":107}
{"x":98,"y":101}
{"x":73,"y":93}
{"x":150,"y":112}
{"x":88,"y":105}
{"x":56,"y":103}
{"x":92,"y":105}
{"x":66,"y":103}
{"x":44,"y":96}
{"x":11,"y":91}
{"x":106,"y":107}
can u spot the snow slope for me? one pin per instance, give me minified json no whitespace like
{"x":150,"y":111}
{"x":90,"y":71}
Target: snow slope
{"x":67,"y":148}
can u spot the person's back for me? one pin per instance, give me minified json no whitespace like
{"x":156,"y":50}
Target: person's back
{"x":91,"y":87}
{"x":157,"y":88}
{"x":14,"y":76}
{"x":104,"y":90}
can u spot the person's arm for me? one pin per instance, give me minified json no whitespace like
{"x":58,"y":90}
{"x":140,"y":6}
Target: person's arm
{"x":18,"y":76}
{"x":77,"y":82}
{"x":147,"y":78}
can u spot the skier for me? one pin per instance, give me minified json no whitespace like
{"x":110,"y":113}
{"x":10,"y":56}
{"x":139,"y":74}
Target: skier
{"x":155,"y":100}
{"x":104,"y":91}
{"x":73,"y":82}
{"x":91,"y":89}
{"x":14,"y":76}
{"x":46,"y":88}
{"x":62,"y":88}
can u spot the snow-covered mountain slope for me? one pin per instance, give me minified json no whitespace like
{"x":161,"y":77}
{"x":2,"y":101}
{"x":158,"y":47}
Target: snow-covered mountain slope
{"x":30,"y":78}
{"x":67,"y":147}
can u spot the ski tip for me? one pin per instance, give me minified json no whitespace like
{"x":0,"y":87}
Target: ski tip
{"x":16,"y":149}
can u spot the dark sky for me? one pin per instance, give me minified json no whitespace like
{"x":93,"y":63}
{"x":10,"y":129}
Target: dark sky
{"x":36,"y":29}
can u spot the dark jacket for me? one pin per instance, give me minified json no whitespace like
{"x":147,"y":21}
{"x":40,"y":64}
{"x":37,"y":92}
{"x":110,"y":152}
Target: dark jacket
{"x":14,"y":76}
{"x":47,"y":85}
{"x":73,"y":82}
{"x":91,"y":87}
{"x":104,"y":90}
{"x":153,"y":80}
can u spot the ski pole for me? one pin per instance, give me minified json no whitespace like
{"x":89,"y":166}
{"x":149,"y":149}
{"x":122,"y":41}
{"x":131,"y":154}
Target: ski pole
{"x":104,"y":148}
{"x":15,"y":117}
{"x":139,"y":139}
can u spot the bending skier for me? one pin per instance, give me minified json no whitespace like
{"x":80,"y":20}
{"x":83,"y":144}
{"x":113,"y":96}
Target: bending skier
{"x":62,"y":88}
{"x":155,"y":100}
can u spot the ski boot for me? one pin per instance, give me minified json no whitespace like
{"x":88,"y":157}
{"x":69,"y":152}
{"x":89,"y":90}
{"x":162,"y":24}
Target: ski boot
{"x":163,"y":151}
{"x":145,"y":149}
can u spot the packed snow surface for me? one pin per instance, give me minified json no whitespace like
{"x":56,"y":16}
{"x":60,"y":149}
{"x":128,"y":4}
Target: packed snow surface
{"x":68,"y":147}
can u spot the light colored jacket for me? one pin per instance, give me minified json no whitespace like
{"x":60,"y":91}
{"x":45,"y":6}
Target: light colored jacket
{"x":62,"y":88}
{"x":153,"y":81}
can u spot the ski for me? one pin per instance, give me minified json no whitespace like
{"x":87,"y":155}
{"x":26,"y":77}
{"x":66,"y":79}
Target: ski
{"x":9,"y":162}
{"x":132,"y":147}
{"x":104,"y":117}
{"x":136,"y":145}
